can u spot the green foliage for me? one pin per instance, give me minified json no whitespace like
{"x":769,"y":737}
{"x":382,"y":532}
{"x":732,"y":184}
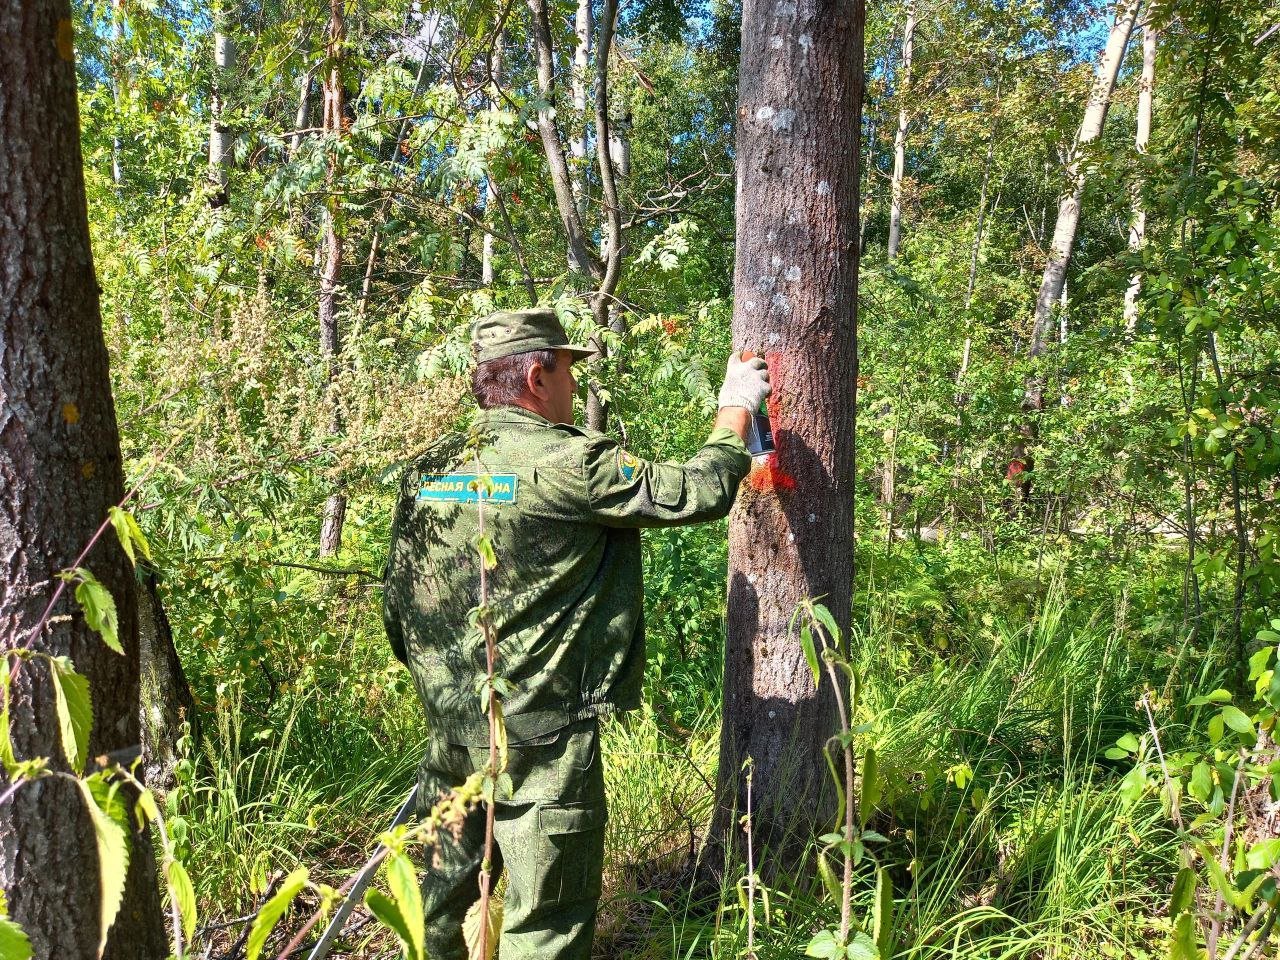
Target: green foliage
{"x":273,"y":910}
{"x":110,"y":818}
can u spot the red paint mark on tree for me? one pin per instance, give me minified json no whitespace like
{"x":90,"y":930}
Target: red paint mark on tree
{"x":770,"y":476}
{"x":1016,"y":467}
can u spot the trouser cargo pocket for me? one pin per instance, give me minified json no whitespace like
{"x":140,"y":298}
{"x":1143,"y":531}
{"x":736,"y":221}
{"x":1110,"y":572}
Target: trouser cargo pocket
{"x":570,"y":851}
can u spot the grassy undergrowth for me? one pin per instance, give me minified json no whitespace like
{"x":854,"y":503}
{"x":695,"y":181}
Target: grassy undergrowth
{"x":1007,"y":833}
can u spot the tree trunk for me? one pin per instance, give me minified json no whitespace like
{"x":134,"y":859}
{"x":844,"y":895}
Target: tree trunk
{"x":335,"y":508}
{"x":117,"y":79}
{"x":1138,"y":224}
{"x":795,"y":299}
{"x":303,"y":118}
{"x":1064,"y":236}
{"x":224,"y":62}
{"x":1064,"y":231}
{"x":60,"y":469}
{"x":490,"y":182}
{"x":603,"y":308}
{"x":900,"y":139}
{"x":581,"y":258}
{"x":582,"y":29}
{"x":166,"y":701}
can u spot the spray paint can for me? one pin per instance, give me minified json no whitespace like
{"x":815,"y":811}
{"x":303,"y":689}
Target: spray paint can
{"x":759,"y":437}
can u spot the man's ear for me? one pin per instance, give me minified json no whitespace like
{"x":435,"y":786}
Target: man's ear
{"x":535,"y":381}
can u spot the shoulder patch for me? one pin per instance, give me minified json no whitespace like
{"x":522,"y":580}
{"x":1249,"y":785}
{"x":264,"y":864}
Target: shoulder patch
{"x":627,"y":464}
{"x":468,"y":487}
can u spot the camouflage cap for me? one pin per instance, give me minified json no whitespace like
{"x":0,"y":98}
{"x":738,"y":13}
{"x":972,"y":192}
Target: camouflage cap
{"x":509,"y":332}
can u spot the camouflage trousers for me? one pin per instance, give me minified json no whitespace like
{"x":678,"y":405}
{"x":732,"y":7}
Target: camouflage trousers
{"x":549,"y":837}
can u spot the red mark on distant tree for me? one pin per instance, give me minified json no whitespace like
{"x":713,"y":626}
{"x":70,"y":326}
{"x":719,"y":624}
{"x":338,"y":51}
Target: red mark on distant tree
{"x":1016,"y":468}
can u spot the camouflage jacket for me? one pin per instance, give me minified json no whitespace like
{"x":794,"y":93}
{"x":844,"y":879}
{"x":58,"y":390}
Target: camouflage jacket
{"x":563,"y":508}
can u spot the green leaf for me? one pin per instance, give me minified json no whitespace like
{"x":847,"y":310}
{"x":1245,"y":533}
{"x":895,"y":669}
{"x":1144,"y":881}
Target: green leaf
{"x":824,"y":945}
{"x":1184,"y":892}
{"x":1218,"y":696}
{"x":1128,"y":743}
{"x":1183,"y":944}
{"x":1215,"y":728}
{"x":14,"y":944}
{"x":98,"y":606}
{"x":272,"y":911}
{"x":402,"y":881}
{"x":110,"y":822}
{"x":872,"y":786}
{"x":828,"y":876}
{"x":7,"y":759}
{"x":75,"y":710}
{"x":882,"y":916}
{"x":810,"y":654}
{"x":484,"y":546}
{"x":129,"y":534}
{"x":183,"y":894}
{"x":862,"y":947}
{"x":1263,"y":854}
{"x":1201,"y":785}
{"x":824,"y":617}
{"x":388,"y":914}
{"x":1237,"y":720}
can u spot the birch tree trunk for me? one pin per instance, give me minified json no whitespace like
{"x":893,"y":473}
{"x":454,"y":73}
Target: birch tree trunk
{"x":490,"y":182}
{"x":117,"y":78}
{"x":582,"y":29}
{"x":795,"y":300}
{"x":335,"y":508}
{"x":900,"y":138}
{"x":1064,"y":231}
{"x":302,"y":120}
{"x":224,"y":62}
{"x":60,"y":470}
{"x":1064,"y":236}
{"x":1138,"y":224}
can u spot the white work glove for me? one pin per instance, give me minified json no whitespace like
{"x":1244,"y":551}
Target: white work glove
{"x":746,"y":383}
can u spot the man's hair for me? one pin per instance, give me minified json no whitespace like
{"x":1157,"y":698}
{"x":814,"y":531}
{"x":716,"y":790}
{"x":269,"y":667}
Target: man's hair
{"x":502,"y":381}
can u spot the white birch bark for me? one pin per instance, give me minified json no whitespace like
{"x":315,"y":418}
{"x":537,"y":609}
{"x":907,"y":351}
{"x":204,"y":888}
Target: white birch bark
{"x":302,"y":120}
{"x":490,"y":184}
{"x":224,"y":61}
{"x":583,"y":28}
{"x":1138,"y":224}
{"x":1064,"y":231}
{"x":900,"y":139}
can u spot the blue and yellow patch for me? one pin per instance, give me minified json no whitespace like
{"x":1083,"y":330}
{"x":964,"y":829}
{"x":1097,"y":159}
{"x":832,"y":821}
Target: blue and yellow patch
{"x":468,"y":487}
{"x":627,"y":464}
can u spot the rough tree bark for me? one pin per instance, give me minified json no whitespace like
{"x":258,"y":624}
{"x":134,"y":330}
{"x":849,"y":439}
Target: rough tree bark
{"x":1138,"y":223}
{"x":900,"y":138}
{"x":335,"y":507}
{"x":60,"y":469}
{"x":795,"y":299}
{"x":165,"y":695}
{"x":224,"y":62}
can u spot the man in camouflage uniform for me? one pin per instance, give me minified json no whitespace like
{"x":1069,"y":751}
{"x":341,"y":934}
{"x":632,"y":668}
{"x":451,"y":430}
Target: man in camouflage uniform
{"x":563,"y":507}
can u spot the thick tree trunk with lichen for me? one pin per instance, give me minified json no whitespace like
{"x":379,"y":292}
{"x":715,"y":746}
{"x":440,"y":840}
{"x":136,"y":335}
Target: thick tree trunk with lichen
{"x":60,"y":470}
{"x":166,"y":701}
{"x":795,"y":300}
